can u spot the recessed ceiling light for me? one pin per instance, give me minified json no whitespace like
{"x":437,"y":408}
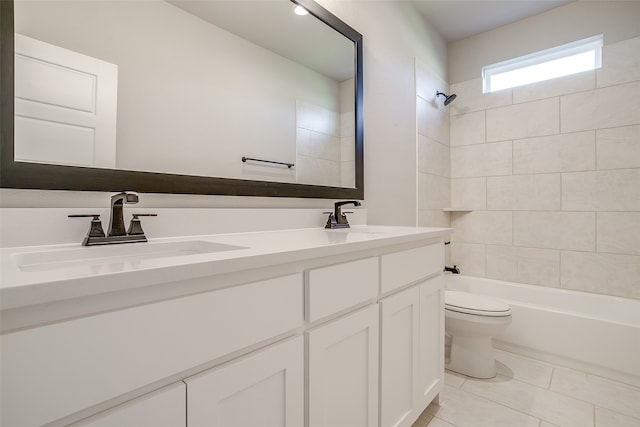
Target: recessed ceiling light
{"x":299,"y":10}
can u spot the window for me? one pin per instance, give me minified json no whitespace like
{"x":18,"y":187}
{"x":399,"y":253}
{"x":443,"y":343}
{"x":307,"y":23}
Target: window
{"x":570,"y":58}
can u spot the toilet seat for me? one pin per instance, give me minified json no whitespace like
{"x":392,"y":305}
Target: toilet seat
{"x":477,"y":305}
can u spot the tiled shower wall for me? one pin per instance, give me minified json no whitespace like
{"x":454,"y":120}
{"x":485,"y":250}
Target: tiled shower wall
{"x":318,"y":145}
{"x":433,"y":149}
{"x":551,"y":172}
{"x":325,"y":141}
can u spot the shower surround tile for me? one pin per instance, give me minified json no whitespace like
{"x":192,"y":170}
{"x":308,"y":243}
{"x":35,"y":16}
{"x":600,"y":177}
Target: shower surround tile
{"x":470,"y":97}
{"x":491,"y":227}
{"x":434,"y":190}
{"x":469,"y":193}
{"x":317,"y":171}
{"x":619,"y":232}
{"x":433,"y":157}
{"x":433,"y":154}
{"x":317,"y":119}
{"x":555,"y":230}
{"x":471,"y":258}
{"x":618,"y":148}
{"x":612,"y":190}
{"x":433,"y":121}
{"x":433,"y":218}
{"x":609,"y":274}
{"x":536,"y":118}
{"x":524,"y":265}
{"x":524,"y":192}
{"x":468,"y":129}
{"x":428,"y":82}
{"x":601,"y":108}
{"x":557,"y":153}
{"x":620,"y":63}
{"x":481,"y":160}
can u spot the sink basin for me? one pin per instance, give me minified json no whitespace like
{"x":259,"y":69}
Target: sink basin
{"x":96,"y":256}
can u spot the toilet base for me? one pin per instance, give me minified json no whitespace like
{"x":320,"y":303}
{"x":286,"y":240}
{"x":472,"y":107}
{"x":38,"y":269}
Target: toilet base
{"x":472,"y":356}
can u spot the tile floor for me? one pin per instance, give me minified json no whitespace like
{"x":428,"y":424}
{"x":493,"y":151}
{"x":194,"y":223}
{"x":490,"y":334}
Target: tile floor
{"x":530,"y":393}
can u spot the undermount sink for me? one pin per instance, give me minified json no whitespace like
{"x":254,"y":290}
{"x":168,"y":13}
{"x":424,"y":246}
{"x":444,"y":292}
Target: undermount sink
{"x":114,"y":254}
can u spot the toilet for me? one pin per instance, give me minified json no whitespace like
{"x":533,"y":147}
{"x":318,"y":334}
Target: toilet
{"x":471,"y":321}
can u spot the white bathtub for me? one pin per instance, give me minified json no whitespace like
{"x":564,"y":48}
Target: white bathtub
{"x":595,"y":333}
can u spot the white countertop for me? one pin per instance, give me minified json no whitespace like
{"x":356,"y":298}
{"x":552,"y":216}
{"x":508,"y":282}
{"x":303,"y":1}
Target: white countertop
{"x":29,"y":285}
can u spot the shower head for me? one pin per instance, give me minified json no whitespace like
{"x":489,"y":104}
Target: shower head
{"x":448,"y":99}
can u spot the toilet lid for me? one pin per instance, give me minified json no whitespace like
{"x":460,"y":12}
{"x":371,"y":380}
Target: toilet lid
{"x":465,"y":302}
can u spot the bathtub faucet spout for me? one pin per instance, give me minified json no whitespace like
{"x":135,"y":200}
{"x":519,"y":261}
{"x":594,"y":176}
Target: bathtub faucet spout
{"x":454,"y":269}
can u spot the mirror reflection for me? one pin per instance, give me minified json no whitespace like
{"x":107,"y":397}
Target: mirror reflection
{"x":185,"y":87}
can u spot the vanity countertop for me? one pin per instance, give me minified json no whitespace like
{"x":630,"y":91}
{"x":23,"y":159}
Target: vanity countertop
{"x":29,"y":278}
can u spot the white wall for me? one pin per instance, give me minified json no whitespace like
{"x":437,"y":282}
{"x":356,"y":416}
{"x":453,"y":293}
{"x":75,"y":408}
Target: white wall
{"x":552,"y":173}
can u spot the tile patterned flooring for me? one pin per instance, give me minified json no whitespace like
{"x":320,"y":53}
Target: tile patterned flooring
{"x":530,"y":393}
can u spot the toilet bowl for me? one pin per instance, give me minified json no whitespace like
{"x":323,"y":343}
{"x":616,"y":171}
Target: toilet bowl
{"x":471,"y":321}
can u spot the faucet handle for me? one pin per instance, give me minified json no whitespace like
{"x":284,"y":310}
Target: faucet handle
{"x":96,"y":227}
{"x":135,"y":227}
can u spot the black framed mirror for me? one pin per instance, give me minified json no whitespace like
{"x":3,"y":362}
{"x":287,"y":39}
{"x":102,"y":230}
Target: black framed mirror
{"x":34,"y":175}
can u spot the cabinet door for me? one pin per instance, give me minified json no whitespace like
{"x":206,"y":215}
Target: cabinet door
{"x":400,"y":351}
{"x":343,"y":371}
{"x":163,"y":408}
{"x":431,"y":364}
{"x":265,"y":389}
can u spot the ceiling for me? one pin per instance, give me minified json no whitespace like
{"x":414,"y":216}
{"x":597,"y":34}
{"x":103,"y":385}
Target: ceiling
{"x":457,"y":19}
{"x":274,"y":26}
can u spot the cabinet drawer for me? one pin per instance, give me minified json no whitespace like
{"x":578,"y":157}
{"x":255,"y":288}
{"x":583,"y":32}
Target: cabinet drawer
{"x":56,"y":368}
{"x":338,"y":287}
{"x":401,"y":268}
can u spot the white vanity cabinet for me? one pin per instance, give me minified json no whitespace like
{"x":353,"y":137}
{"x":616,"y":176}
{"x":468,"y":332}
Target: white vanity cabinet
{"x":412,"y":340}
{"x":333,"y":335}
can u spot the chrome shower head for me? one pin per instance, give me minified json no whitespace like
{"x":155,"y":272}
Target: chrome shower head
{"x":448,"y":99}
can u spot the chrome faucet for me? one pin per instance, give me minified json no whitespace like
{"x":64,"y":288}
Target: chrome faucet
{"x":116,"y":222}
{"x":116,"y":232}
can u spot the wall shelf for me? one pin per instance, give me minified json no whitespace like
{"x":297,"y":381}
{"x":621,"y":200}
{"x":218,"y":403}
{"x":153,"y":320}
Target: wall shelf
{"x":457,"y":210}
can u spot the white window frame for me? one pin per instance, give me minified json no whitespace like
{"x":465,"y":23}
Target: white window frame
{"x":574,"y":48}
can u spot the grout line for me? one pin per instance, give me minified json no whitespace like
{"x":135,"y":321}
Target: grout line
{"x":505,"y":405}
